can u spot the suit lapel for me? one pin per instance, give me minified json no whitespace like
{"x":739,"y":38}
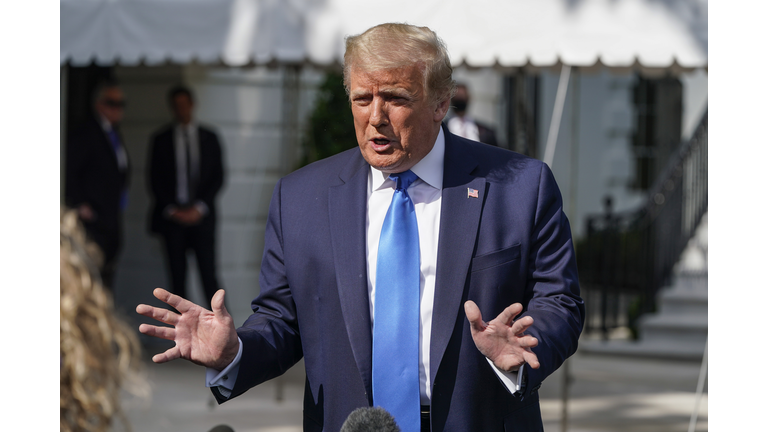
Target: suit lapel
{"x":108,"y":147}
{"x":459,"y":221}
{"x":347,"y":208}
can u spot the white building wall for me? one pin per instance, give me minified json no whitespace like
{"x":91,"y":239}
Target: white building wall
{"x":695,"y":85}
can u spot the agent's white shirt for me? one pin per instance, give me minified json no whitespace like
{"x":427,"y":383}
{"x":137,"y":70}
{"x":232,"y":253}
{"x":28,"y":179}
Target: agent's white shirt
{"x":180,"y":132}
{"x":464,"y":127}
{"x":190,"y":132}
{"x":122,"y":156}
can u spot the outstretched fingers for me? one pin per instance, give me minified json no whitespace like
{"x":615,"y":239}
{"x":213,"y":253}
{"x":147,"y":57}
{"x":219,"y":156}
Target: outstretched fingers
{"x":168,"y":333}
{"x":521,"y":325}
{"x":163,"y":315}
{"x":474,"y":316}
{"x":530,"y":358}
{"x":217,"y":305}
{"x":180,"y":304}
{"x":527,"y":341}
{"x":168,"y":355}
{"x":509,"y":313}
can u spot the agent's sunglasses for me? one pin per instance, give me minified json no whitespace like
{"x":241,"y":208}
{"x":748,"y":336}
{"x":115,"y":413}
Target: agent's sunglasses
{"x":114,"y":103}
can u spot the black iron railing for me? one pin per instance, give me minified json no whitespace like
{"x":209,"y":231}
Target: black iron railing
{"x":627,"y":257}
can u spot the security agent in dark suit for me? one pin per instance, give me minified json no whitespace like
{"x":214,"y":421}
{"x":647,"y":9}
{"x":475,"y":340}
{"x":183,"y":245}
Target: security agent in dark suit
{"x":492,"y":237}
{"x":463,"y":125}
{"x":185,"y":174}
{"x":97,"y":174}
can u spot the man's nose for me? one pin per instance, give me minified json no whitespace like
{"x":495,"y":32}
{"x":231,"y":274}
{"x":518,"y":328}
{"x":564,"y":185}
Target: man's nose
{"x":379,"y":115}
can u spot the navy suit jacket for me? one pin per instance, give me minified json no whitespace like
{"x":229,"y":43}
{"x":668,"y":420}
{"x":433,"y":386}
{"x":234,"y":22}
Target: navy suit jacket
{"x":93,"y":176}
{"x":511,"y":244}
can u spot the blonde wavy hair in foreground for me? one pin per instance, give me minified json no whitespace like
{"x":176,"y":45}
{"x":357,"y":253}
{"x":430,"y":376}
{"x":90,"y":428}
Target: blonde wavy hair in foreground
{"x":99,"y":353}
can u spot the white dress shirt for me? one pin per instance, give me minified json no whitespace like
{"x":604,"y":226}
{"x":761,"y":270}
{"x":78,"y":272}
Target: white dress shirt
{"x":122,"y":157}
{"x":182,"y":183}
{"x":464,"y":127}
{"x":180,"y":153}
{"x":426,"y":195}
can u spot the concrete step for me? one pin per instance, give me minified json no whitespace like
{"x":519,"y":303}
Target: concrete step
{"x":680,"y":327}
{"x":679,"y":335}
{"x":690,"y":281}
{"x":688,"y":329}
{"x":684,"y":302}
{"x":644,"y":349}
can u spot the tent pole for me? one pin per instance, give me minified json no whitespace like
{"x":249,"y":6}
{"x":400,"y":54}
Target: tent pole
{"x":290,"y":117}
{"x":557,"y":115}
{"x":699,"y":388}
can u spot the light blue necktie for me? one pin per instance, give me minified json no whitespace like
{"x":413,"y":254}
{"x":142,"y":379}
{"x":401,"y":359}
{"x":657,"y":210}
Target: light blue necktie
{"x":396,"y":311}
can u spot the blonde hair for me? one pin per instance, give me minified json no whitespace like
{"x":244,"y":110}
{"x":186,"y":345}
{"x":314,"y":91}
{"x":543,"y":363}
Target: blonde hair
{"x":394,"y":45}
{"x":99,"y":352}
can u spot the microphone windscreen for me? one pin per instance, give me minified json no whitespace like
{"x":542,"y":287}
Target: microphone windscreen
{"x":369,"y":419}
{"x":222,"y":428}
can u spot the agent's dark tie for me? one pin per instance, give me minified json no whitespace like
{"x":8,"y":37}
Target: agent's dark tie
{"x":114,"y":139}
{"x":190,"y":171}
{"x":396,"y":311}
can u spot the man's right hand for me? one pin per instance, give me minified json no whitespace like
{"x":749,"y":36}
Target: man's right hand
{"x":204,"y":337}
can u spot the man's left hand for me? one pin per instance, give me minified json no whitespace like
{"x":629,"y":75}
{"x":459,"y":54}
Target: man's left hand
{"x":502,"y":340}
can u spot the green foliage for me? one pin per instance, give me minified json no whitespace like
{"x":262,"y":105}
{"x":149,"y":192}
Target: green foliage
{"x":331,"y":128}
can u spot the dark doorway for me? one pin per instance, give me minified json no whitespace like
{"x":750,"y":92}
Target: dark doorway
{"x":658,"y":125}
{"x":521,"y":97}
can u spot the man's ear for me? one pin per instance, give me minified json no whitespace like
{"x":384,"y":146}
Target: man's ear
{"x":441,"y":109}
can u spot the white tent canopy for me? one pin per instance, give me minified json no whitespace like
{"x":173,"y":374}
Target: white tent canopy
{"x":651,"y":34}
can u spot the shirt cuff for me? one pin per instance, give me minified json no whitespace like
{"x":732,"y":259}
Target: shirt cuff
{"x":513,"y":381}
{"x":225,"y":379}
{"x":201,"y":207}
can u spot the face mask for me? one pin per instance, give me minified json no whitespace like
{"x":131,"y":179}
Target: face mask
{"x":459,"y":105}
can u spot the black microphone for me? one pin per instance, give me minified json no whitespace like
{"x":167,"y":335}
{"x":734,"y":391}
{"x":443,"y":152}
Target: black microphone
{"x":369,"y":419}
{"x":222,"y":428}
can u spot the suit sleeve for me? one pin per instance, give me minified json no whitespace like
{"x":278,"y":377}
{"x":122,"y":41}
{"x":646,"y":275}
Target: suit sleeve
{"x":270,"y":336}
{"x":552,"y":291}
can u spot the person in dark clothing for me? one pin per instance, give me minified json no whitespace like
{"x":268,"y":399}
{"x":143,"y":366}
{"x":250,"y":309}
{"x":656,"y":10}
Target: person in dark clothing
{"x":463,"y":125}
{"x":97,"y":175}
{"x":185,"y":175}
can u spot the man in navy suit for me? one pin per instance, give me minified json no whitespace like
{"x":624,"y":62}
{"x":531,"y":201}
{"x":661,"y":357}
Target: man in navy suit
{"x":492,"y":237}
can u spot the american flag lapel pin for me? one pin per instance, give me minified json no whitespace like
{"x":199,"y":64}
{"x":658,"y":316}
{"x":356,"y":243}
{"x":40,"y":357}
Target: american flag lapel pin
{"x":471,"y":193}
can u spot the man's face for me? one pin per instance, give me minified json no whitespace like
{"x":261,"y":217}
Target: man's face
{"x":395,"y":124}
{"x":111,"y":105}
{"x":182,"y":108}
